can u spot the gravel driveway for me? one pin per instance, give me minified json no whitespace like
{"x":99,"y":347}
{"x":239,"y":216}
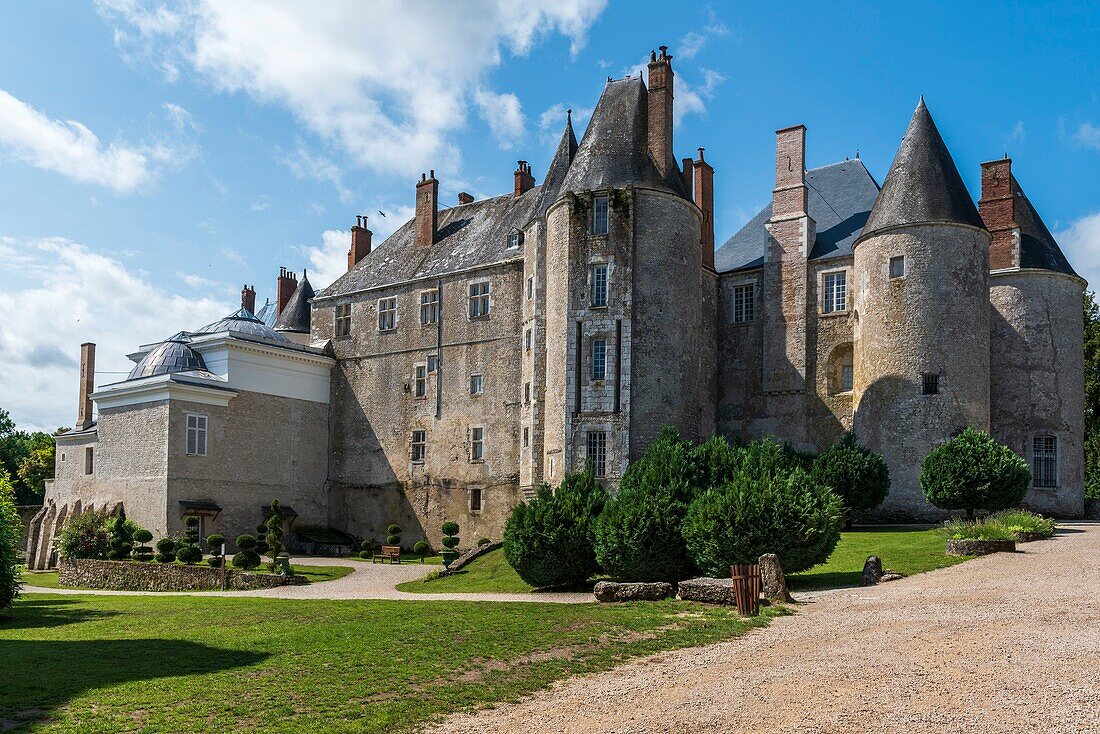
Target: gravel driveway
{"x":1005,"y":643}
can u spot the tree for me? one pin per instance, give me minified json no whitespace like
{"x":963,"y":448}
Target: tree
{"x":1092,"y":396}
{"x":971,"y":472}
{"x":15,"y":448}
{"x":274,"y":535}
{"x":11,"y":533}
{"x":857,"y":474}
{"x":36,"y":467}
{"x":121,"y":537}
{"x":85,"y":536}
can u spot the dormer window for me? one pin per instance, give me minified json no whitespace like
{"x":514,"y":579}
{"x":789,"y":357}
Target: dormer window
{"x":515,"y":239}
{"x":600,"y":215}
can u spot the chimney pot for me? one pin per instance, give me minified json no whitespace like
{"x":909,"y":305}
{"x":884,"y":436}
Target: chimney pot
{"x":248,"y":299}
{"x":659,"y":92}
{"x":284,"y":289}
{"x":360,"y":242}
{"x":790,"y":192}
{"x":524,"y":180}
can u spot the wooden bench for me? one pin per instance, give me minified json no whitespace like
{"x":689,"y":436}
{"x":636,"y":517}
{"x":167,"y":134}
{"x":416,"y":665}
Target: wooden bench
{"x":391,"y":553}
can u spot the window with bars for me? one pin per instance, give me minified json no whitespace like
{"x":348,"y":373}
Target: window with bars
{"x":477,"y":443}
{"x":597,"y":452}
{"x":477,"y":384}
{"x":599,"y":286}
{"x":429,"y":307}
{"x":196,"y":435}
{"x":419,"y":446}
{"x":1044,"y":461}
{"x":420,"y":381}
{"x":836,"y":292}
{"x":479,"y":300}
{"x":744,"y":303}
{"x":387,"y":314}
{"x":342,"y":324}
{"x":930,"y":383}
{"x":599,"y":359}
{"x":600,"y":207}
{"x":846,"y":377}
{"x":897,"y":266}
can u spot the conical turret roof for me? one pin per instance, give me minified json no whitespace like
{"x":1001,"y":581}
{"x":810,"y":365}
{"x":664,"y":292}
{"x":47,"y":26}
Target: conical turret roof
{"x":923,"y":185}
{"x":296,"y":316}
{"x":559,"y":166}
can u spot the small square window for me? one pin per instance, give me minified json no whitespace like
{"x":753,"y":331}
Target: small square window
{"x":515,"y":239}
{"x":600,"y":215}
{"x":342,"y":325}
{"x":477,"y":385}
{"x":475,"y":500}
{"x":419,"y":446}
{"x":599,"y":359}
{"x":744,"y":305}
{"x":599,"y":286}
{"x":477,"y":444}
{"x":930,"y":383}
{"x":897,"y":266}
{"x":387,"y":314}
{"x":479,"y":300}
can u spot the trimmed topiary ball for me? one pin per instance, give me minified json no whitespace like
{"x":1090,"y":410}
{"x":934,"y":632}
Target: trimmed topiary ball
{"x":393,"y":539}
{"x":450,"y":541}
{"x":974,"y":472}
{"x":214,"y":542}
{"x":166,"y":551}
{"x":792,"y":516}
{"x":246,"y":559}
{"x":215,"y":561}
{"x":189,"y":554}
{"x":245,"y":542}
{"x":393,"y":529}
{"x":450,"y":528}
{"x":858,"y":475}
{"x":549,"y":541}
{"x":483,"y":541}
{"x":422,"y":549}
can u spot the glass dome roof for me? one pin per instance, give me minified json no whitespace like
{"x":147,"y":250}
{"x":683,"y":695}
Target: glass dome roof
{"x":171,"y":355}
{"x":242,"y":321}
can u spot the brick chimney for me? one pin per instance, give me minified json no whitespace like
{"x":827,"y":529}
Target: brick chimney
{"x":789,"y":197}
{"x":660,"y":111}
{"x":687,"y":173}
{"x":248,"y":298}
{"x":998,"y":209}
{"x":464,"y":198}
{"x":285,"y":287}
{"x":87,"y":386}
{"x":704,"y":199}
{"x":360,"y":241}
{"x":427,"y":210}
{"x":525,"y":180}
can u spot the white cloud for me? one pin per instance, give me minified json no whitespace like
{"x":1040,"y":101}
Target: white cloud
{"x":71,"y":294}
{"x":690,"y":99}
{"x":1016,"y":135}
{"x":552,"y":122}
{"x":1087,"y":135}
{"x":305,"y":164}
{"x":694,"y":41}
{"x":503,"y":113}
{"x":71,"y":149}
{"x":180,"y":117}
{"x":329,"y":260}
{"x":261,"y":204}
{"x":388,"y":85}
{"x":1081,"y":243}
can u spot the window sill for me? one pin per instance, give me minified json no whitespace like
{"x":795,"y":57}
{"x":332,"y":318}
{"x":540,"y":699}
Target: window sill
{"x":477,"y":318}
{"x":477,"y":461}
{"x":388,"y":331}
{"x":475,"y":512}
{"x":833,"y":314}
{"x":341,"y":337}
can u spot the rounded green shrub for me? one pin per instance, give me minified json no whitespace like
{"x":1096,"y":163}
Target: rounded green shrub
{"x":245,"y":542}
{"x":393,"y":529}
{"x":792,"y":516}
{"x":393,"y":540}
{"x":483,"y":541}
{"x":214,"y":542}
{"x":637,"y":538}
{"x":246,"y":559}
{"x":858,"y":475}
{"x":166,"y":551}
{"x":142,"y":535}
{"x":143,"y":552}
{"x":366,"y":550}
{"x":191,"y":521}
{"x":450,"y":541}
{"x":422,"y":549}
{"x":974,"y":472}
{"x":261,"y":546}
{"x":450,"y":528}
{"x":215,"y":561}
{"x":85,"y":536}
{"x":189,"y":554}
{"x":121,"y":536}
{"x":549,"y":541}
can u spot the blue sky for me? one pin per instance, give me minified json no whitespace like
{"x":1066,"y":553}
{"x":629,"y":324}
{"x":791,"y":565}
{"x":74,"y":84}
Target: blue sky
{"x":154,"y":157}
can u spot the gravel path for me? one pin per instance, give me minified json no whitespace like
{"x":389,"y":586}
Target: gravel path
{"x":368,"y":581}
{"x":1005,"y":643}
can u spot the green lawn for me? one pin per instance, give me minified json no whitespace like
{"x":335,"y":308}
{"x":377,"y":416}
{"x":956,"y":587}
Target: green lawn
{"x":94,"y":664}
{"x":314,"y":574}
{"x":405,"y":558}
{"x":908,"y":550}
{"x":489,"y":573}
{"x":902,"y":549}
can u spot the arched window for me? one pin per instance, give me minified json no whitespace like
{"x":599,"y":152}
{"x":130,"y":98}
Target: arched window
{"x":1044,"y":461}
{"x":840,"y":369}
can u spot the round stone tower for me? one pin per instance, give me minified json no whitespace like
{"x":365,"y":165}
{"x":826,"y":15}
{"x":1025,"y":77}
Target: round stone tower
{"x":921,"y":294}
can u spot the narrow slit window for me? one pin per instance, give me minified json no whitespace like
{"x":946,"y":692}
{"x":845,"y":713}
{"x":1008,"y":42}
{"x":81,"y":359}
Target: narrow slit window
{"x":599,"y":359}
{"x":599,"y":286}
{"x":526,"y":437}
{"x":420,"y":381}
{"x":89,"y":460}
{"x":846,"y":377}
{"x":475,"y":500}
{"x":744,"y":305}
{"x":600,"y":215}
{"x":477,"y":444}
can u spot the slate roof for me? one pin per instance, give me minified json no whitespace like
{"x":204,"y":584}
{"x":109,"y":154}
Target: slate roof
{"x":1038,"y":248}
{"x":614,"y":151}
{"x":923,"y":184}
{"x":840,"y":199}
{"x":296,"y":313}
{"x":469,"y":235}
{"x":559,"y":167}
{"x":171,"y":355}
{"x":244,"y":322}
{"x":267,"y":313}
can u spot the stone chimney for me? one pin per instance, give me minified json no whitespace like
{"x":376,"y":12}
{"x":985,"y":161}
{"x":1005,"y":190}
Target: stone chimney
{"x":704,"y":199}
{"x":427,"y":210}
{"x":660,"y":111}
{"x":789,"y":197}
{"x":998,"y":210}
{"x":464,"y":198}
{"x":687,"y":173}
{"x":285,"y":287}
{"x":248,"y":298}
{"x":87,"y":386}
{"x":360,"y":241}
{"x":525,"y":181}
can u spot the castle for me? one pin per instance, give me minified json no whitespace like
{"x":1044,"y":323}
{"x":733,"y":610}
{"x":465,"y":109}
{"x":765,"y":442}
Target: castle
{"x":486,"y":348}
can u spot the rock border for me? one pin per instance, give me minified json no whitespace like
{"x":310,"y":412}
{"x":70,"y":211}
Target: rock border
{"x":707,"y":590}
{"x":470,"y":555}
{"x":140,"y":576}
{"x":614,"y":591}
{"x":972,"y":547}
{"x":1026,"y":536}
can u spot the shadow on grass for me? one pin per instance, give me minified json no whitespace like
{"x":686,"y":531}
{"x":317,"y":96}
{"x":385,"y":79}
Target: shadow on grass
{"x":49,"y":612}
{"x":53,"y":672}
{"x":830,"y":580}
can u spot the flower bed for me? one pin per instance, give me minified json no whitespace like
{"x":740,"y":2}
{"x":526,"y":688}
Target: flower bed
{"x":136,"y":576}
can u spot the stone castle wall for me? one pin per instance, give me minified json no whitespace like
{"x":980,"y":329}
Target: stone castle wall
{"x":134,"y":576}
